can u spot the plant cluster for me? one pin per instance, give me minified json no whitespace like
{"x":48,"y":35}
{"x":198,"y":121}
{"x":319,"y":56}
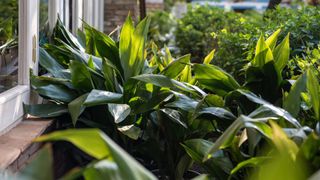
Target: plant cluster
{"x":161,"y":28}
{"x":234,"y":35}
{"x":177,"y":118}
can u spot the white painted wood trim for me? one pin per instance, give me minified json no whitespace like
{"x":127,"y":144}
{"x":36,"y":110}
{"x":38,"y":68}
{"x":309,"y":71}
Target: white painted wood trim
{"x":77,"y":15}
{"x":11,"y":101}
{"x":88,"y":11}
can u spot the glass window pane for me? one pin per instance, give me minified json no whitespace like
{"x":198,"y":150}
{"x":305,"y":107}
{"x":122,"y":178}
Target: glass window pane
{"x":43,"y":22}
{"x":8,"y":44}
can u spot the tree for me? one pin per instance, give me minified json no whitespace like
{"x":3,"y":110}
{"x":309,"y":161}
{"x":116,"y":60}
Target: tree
{"x":143,"y":10}
{"x":273,"y":4}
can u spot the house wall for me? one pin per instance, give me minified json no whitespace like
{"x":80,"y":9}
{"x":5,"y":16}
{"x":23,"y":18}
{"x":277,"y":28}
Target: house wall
{"x":116,"y":11}
{"x":154,"y":5}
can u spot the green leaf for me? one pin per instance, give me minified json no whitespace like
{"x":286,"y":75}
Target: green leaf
{"x":292,"y":101}
{"x":62,"y":33}
{"x":125,"y":45}
{"x":52,"y":66}
{"x":52,"y":91}
{"x":313,"y":90}
{"x":215,"y":79}
{"x":100,"y":146}
{"x":98,"y":97}
{"x":119,"y":111}
{"x":272,"y":40}
{"x":109,"y":75}
{"x":263,"y":53}
{"x":167,"y":57}
{"x":217,"y":112}
{"x":219,"y":165}
{"x":105,"y":46}
{"x":41,"y":167}
{"x":281,"y":54}
{"x":102,"y":170}
{"x":176,"y":67}
{"x":175,"y":116}
{"x":276,"y":110}
{"x":80,"y":76}
{"x":183,"y":102}
{"x":132,"y":47}
{"x":163,"y":81}
{"x":252,"y":162}
{"x":226,"y":139}
{"x":76,"y":108}
{"x":197,"y":148}
{"x":45,"y":110}
{"x":90,"y":63}
{"x":209,"y":57}
{"x":131,"y":131}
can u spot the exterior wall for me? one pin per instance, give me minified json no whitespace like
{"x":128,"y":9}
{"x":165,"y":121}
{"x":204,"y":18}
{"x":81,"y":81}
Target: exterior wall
{"x":116,"y":12}
{"x":154,"y":5}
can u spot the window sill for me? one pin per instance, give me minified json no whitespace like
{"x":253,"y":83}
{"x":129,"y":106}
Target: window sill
{"x":16,"y":146}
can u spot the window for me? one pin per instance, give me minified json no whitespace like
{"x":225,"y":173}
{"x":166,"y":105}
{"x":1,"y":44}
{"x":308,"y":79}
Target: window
{"x":8,"y":44}
{"x":19,"y":58}
{"x":23,"y":25}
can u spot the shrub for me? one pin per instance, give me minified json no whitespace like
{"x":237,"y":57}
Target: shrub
{"x":161,"y":27}
{"x":234,"y":35}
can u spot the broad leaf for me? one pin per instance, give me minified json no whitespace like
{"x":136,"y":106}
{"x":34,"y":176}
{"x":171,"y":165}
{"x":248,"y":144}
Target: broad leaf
{"x":281,"y":54}
{"x":76,"y":108}
{"x":119,"y":111}
{"x":100,"y":146}
{"x":209,"y":57}
{"x":313,"y":90}
{"x":80,"y":76}
{"x":292,"y":101}
{"x":215,"y":79}
{"x":98,"y":97}
{"x":45,"y":110}
{"x":176,"y":67}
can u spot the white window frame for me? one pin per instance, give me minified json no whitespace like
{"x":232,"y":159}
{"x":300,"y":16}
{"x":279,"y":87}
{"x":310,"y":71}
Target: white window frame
{"x":11,"y":101}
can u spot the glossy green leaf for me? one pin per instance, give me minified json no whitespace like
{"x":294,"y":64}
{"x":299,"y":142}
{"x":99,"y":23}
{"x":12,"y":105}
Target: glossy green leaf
{"x":209,"y":57}
{"x":292,"y":101}
{"x":52,"y":66}
{"x":276,"y":110}
{"x":62,"y":33}
{"x":52,"y":91}
{"x":175,"y":116}
{"x":100,"y":146}
{"x":76,"y":108}
{"x":183,"y":102}
{"x":252,"y":162}
{"x":263,"y":53}
{"x":162,"y":81}
{"x":197,"y":148}
{"x":98,"y":97}
{"x":215,"y":79}
{"x":281,"y":54}
{"x":313,"y":90}
{"x":217,"y":112}
{"x":125,"y":45}
{"x":102,"y":170}
{"x":272,"y":40}
{"x":105,"y":46}
{"x":176,"y":66}
{"x":119,"y":111}
{"x":132,"y":47}
{"x":45,"y":110}
{"x":80,"y":76}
